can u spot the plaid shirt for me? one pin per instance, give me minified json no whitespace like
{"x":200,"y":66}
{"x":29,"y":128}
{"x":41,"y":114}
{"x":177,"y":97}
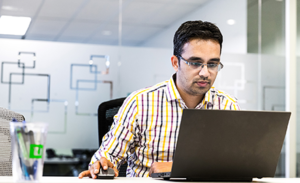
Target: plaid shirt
{"x":146,"y":127}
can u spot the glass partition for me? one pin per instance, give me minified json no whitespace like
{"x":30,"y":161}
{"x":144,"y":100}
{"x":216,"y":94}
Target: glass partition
{"x":266,"y":39}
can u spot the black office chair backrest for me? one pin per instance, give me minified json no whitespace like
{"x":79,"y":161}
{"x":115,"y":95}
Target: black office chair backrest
{"x":6,"y":116}
{"x":106,"y":112}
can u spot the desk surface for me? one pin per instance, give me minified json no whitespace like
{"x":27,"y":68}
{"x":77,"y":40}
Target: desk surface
{"x":5,"y":179}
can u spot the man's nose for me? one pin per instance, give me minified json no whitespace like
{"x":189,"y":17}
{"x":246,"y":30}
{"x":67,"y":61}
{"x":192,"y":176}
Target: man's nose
{"x":204,"y":71}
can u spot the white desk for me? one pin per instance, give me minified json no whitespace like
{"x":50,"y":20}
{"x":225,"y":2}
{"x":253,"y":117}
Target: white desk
{"x":5,"y":179}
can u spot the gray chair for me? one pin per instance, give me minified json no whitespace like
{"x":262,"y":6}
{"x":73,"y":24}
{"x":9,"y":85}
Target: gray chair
{"x":6,"y":116}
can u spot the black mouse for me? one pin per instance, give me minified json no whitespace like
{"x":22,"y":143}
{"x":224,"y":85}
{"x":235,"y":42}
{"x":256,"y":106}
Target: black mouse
{"x":106,"y":174}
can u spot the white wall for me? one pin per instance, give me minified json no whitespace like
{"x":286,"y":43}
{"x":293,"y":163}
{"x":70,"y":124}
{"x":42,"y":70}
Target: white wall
{"x":218,"y":12}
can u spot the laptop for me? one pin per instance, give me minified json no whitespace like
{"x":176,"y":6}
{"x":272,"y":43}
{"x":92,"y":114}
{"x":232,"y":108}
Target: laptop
{"x":220,"y":145}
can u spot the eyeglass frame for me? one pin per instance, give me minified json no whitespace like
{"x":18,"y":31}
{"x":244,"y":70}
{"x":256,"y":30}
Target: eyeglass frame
{"x":202,"y":65}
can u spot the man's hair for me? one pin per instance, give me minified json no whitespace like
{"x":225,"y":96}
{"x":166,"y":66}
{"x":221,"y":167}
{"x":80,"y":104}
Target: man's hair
{"x":195,"y":30}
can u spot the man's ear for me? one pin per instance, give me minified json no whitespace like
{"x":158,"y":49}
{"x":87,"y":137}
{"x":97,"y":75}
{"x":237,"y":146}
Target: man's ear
{"x":175,"y":63}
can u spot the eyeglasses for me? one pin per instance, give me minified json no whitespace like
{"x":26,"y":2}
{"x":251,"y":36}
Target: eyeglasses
{"x":215,"y":67}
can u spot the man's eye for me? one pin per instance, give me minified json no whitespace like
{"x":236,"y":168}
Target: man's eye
{"x":196,"y":64}
{"x":212,"y":65}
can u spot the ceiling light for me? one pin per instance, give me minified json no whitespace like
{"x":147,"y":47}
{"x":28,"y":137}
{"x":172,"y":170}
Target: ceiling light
{"x":106,"y":33}
{"x":10,"y":8}
{"x":230,"y":22}
{"x":14,"y":25}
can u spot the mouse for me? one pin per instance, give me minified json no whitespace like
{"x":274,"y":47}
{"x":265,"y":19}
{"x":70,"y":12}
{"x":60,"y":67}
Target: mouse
{"x":106,"y":174}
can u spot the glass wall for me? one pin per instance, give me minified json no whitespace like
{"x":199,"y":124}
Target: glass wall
{"x":266,"y":39}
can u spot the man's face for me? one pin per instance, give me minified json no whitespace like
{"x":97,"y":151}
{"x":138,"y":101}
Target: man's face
{"x":197,"y":80}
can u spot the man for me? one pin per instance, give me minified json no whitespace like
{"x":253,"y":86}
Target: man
{"x":145,"y":130}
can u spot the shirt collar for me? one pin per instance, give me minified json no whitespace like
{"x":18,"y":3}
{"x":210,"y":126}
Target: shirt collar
{"x":173,"y":94}
{"x":208,"y":98}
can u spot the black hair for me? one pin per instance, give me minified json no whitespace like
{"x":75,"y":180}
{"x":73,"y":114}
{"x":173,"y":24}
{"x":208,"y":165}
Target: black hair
{"x":195,"y":30}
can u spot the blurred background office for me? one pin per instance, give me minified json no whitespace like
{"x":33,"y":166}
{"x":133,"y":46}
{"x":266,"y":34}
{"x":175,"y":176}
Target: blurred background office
{"x":61,"y":58}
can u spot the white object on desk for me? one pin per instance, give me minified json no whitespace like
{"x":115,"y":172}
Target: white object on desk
{"x":6,"y":179}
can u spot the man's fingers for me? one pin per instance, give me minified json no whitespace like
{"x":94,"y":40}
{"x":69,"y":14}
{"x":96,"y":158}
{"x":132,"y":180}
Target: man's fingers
{"x":92,"y":173}
{"x":158,"y":167}
{"x":84,"y":174}
{"x":150,"y":172}
{"x":104,"y":163}
{"x":94,"y":169}
{"x":152,"y":168}
{"x":116,"y":171}
{"x":109,"y":164}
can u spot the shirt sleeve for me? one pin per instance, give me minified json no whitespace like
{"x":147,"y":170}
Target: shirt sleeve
{"x":120,"y":140}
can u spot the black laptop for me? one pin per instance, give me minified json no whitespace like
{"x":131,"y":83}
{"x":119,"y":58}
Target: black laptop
{"x":219,"y":145}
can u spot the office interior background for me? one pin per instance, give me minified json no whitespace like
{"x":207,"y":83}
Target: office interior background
{"x":77,"y":54}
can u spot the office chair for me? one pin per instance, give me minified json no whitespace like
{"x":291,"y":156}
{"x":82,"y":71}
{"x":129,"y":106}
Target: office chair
{"x":6,"y":116}
{"x":106,"y":112}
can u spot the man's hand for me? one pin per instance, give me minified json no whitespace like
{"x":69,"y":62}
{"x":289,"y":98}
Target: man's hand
{"x":94,"y":169}
{"x":158,"y":167}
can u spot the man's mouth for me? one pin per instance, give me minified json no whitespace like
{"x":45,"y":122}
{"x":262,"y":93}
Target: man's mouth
{"x":202,"y":83}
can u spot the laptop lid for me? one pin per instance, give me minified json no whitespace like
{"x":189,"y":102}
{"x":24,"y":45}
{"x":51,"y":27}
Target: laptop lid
{"x":229,"y":145}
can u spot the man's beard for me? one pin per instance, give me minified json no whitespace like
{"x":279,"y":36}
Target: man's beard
{"x":195,"y":90}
